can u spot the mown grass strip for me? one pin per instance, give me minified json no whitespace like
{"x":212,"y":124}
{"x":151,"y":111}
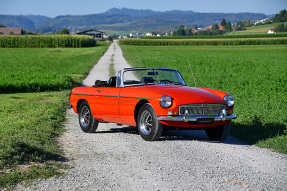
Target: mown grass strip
{"x":254,"y":75}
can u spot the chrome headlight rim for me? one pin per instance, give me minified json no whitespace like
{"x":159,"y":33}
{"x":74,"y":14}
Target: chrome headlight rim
{"x":165,"y":101}
{"x":229,"y":99}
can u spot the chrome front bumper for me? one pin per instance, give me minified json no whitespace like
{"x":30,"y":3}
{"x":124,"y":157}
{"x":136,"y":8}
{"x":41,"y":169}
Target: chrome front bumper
{"x":187,"y":118}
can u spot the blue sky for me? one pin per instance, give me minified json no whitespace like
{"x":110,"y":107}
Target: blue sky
{"x":54,"y":8}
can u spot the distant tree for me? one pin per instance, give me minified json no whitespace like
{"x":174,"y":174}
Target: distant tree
{"x":110,"y":39}
{"x":3,"y":26}
{"x":280,"y":28}
{"x":239,"y":26}
{"x":64,"y":31}
{"x":180,"y":31}
{"x":195,"y":27}
{"x":223,"y":23}
{"x":246,"y":23}
{"x":228,"y":27}
{"x":203,"y":33}
{"x":281,"y":17}
{"x":188,"y":31}
{"x":215,"y":29}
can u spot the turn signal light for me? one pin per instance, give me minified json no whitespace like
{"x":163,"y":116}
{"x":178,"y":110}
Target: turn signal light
{"x":172,"y":113}
{"x":229,"y":112}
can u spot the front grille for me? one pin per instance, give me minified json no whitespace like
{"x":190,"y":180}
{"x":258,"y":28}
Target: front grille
{"x":202,"y":109}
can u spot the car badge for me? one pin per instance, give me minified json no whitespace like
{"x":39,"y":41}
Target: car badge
{"x":204,"y":106}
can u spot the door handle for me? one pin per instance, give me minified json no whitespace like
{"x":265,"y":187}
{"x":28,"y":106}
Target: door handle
{"x":99,"y":91}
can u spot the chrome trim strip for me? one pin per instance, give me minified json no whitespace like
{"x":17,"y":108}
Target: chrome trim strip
{"x":195,"y":118}
{"x":83,"y":94}
{"x":96,"y":95}
{"x":117,"y":96}
{"x":139,"y":98}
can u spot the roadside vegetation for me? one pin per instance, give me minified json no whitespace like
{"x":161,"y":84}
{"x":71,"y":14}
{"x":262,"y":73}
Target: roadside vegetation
{"x":254,"y":75}
{"x":34,"y":91}
{"x":205,"y":41}
{"x":46,"y":41}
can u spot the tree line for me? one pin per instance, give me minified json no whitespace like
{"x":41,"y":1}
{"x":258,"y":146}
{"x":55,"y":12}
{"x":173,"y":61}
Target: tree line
{"x":226,"y":26}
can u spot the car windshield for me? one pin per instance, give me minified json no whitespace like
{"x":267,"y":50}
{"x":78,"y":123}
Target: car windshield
{"x":132,"y":77}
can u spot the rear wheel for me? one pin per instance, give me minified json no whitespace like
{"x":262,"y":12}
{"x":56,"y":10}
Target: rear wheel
{"x":149,"y":127}
{"x":87,"y":121}
{"x":218,"y":133}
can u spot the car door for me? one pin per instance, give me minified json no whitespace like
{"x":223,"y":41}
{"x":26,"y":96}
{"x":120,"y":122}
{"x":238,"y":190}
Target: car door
{"x":107,"y":103}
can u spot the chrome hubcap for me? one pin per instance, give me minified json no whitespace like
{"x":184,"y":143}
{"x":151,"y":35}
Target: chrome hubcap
{"x":146,"y":123}
{"x":85,"y":116}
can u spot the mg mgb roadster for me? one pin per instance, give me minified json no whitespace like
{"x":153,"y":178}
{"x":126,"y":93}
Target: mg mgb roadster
{"x":153,"y":99}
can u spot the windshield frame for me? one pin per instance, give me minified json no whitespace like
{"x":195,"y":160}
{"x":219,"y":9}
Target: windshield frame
{"x":121,"y":74}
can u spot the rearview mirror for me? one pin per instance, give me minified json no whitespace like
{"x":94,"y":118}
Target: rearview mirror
{"x":152,"y":73}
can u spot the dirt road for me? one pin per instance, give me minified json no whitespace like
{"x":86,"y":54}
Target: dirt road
{"x":117,"y":158}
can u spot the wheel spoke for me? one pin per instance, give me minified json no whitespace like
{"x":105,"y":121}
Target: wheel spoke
{"x":146,"y":123}
{"x":85,"y":117}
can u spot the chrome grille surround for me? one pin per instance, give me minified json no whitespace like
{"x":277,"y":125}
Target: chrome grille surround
{"x":201,"y":109}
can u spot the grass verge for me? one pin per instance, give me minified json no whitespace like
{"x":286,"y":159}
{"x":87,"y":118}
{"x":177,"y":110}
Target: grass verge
{"x":254,"y":75}
{"x":31,"y":122}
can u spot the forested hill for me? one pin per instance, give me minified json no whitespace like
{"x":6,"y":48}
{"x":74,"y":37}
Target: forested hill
{"x":125,"y":20}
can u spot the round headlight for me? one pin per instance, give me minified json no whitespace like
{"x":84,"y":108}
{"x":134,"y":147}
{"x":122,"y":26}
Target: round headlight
{"x":165,"y":101}
{"x":229,"y":99}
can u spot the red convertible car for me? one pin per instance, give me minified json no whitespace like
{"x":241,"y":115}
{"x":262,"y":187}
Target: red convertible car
{"x":153,"y":99}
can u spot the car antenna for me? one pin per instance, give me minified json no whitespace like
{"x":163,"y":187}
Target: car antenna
{"x":191,"y":72}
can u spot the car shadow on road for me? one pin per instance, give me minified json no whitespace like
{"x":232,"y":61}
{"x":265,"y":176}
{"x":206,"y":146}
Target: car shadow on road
{"x":177,"y":135}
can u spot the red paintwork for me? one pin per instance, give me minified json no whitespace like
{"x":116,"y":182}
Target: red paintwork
{"x":117,"y":105}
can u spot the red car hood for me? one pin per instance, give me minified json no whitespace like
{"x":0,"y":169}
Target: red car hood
{"x":187,"y":95}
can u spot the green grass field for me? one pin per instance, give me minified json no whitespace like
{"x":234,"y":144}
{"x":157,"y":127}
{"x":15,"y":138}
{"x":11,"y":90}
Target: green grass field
{"x":34,"y":69}
{"x":31,"y":122}
{"x":254,"y":75}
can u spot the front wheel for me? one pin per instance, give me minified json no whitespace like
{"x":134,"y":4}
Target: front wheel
{"x":149,"y":127}
{"x":87,"y":121}
{"x":218,"y":133}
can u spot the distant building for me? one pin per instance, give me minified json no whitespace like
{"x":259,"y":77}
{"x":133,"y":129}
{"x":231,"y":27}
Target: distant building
{"x":136,"y":35}
{"x":271,"y":31}
{"x":148,"y":34}
{"x":8,"y":31}
{"x":220,"y":27}
{"x":98,"y":35}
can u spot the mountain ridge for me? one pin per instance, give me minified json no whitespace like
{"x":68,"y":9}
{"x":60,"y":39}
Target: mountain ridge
{"x":130,"y":20}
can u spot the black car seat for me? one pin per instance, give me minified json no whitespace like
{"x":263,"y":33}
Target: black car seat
{"x":113,"y":81}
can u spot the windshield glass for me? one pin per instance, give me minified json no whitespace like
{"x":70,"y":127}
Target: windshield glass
{"x":152,"y":76}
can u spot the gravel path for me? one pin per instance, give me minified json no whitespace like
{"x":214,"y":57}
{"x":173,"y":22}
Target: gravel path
{"x":117,"y":158}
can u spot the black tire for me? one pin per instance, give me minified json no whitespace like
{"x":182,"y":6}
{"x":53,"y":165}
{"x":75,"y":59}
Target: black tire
{"x":218,"y":133}
{"x":148,"y":126}
{"x":87,"y":121}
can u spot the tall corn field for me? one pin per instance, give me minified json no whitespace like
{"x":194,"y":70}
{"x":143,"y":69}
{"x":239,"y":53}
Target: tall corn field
{"x":46,"y":41}
{"x":204,"y":42}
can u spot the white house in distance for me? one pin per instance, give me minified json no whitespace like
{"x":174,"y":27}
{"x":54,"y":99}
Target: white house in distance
{"x":271,"y":31}
{"x":136,"y":35}
{"x":148,"y":34}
